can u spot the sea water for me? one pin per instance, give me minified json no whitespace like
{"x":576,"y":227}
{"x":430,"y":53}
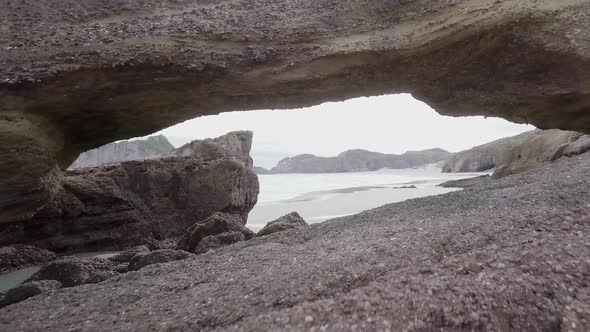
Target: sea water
{"x":318,"y":197}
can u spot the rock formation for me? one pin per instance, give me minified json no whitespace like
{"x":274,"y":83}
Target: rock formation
{"x":358,"y":161}
{"x":519,"y":153}
{"x":510,"y":255}
{"x":218,"y":224}
{"x":144,"y":259}
{"x":467,"y":183}
{"x":29,"y":289}
{"x":16,"y":257}
{"x":72,"y":271}
{"x":123,"y":151}
{"x":260,"y":170}
{"x":484,"y":157}
{"x":288,"y":221}
{"x":75,"y":76}
{"x":136,"y":202}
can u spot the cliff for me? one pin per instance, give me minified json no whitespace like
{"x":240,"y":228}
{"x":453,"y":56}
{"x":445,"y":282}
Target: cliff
{"x":358,"y":161}
{"x":123,"y":151}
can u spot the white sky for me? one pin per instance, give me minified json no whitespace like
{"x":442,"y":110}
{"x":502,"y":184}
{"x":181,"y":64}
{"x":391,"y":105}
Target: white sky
{"x":389,"y":124}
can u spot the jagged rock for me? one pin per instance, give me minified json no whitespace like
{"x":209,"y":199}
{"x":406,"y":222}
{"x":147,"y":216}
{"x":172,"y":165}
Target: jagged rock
{"x":73,"y":271}
{"x":122,"y":268}
{"x":123,"y":151}
{"x":212,"y":242}
{"x":358,"y":161}
{"x":140,"y":202}
{"x":288,"y":221}
{"x":77,"y":77}
{"x":128,"y":254}
{"x":16,"y":257}
{"x":28,"y":289}
{"x":216,"y":224}
{"x":142,"y":260}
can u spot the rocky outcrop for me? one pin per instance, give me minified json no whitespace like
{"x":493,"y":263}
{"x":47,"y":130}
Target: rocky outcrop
{"x":358,"y":161}
{"x":123,"y":151}
{"x":16,"y":257}
{"x":139,"y":202}
{"x":484,"y":157}
{"x":288,"y":221}
{"x":76,"y":76}
{"x":29,"y":289}
{"x":545,"y":146}
{"x":236,"y":144}
{"x":71,"y":271}
{"x":511,"y":255}
{"x":144,"y":259}
{"x":215,"y":225}
{"x":213,"y":242}
{"x":519,"y":153}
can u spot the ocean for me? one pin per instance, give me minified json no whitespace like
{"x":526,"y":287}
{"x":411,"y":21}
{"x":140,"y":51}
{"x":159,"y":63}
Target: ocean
{"x":318,"y":197}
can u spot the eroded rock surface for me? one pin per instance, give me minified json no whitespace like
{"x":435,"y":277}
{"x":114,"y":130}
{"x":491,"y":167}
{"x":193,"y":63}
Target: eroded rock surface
{"x":16,"y":257}
{"x":29,"y":289}
{"x":75,"y":76}
{"x":511,"y":255}
{"x":139,"y":202}
{"x":72,"y":271}
{"x":216,"y":224}
{"x":144,"y":259}
{"x":288,"y":221}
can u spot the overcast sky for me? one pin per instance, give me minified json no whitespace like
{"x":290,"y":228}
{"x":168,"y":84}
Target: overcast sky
{"x":389,"y":124}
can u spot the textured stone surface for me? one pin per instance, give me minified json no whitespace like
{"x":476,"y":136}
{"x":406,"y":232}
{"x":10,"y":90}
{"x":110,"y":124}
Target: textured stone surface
{"x":216,"y":224}
{"x":511,"y":255}
{"x":288,"y":221}
{"x":213,"y":242}
{"x":16,"y":257}
{"x":144,"y":259}
{"x":137,"y":202}
{"x":72,"y":271}
{"x":358,"y":161}
{"x":100,"y":71}
{"x":126,"y":255}
{"x":29,"y":289}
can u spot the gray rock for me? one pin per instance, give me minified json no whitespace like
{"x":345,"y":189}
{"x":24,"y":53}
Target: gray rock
{"x":128,"y":254}
{"x":288,"y":221}
{"x":29,"y":289}
{"x":16,"y":257}
{"x":216,"y":224}
{"x":142,"y":260}
{"x":217,"y":241}
{"x":467,"y":183}
{"x":73,"y":271}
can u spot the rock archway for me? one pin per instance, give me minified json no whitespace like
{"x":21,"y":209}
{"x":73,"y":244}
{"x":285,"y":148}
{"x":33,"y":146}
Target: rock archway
{"x":77,"y":74}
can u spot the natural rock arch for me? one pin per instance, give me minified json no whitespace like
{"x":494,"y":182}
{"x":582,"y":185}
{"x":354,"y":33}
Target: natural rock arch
{"x":77,"y":74}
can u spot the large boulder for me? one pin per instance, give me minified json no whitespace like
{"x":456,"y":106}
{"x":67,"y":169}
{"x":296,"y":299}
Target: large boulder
{"x":144,"y":259}
{"x":288,"y":221}
{"x":213,"y":242}
{"x":216,"y":224}
{"x":138,"y":202}
{"x":73,"y":271}
{"x":29,"y":289}
{"x":126,"y":255}
{"x":16,"y":257}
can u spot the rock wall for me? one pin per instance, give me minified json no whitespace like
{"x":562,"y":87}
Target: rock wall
{"x":358,"y":161}
{"x":75,"y":75}
{"x":123,"y":151}
{"x":135,"y":202}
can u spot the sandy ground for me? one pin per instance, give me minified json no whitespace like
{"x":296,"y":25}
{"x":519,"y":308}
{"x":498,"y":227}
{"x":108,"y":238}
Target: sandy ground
{"x":508,"y":256}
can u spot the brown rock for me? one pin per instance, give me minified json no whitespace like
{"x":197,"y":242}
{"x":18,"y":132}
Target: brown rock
{"x":216,"y":224}
{"x":213,"y":242}
{"x":288,"y":221}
